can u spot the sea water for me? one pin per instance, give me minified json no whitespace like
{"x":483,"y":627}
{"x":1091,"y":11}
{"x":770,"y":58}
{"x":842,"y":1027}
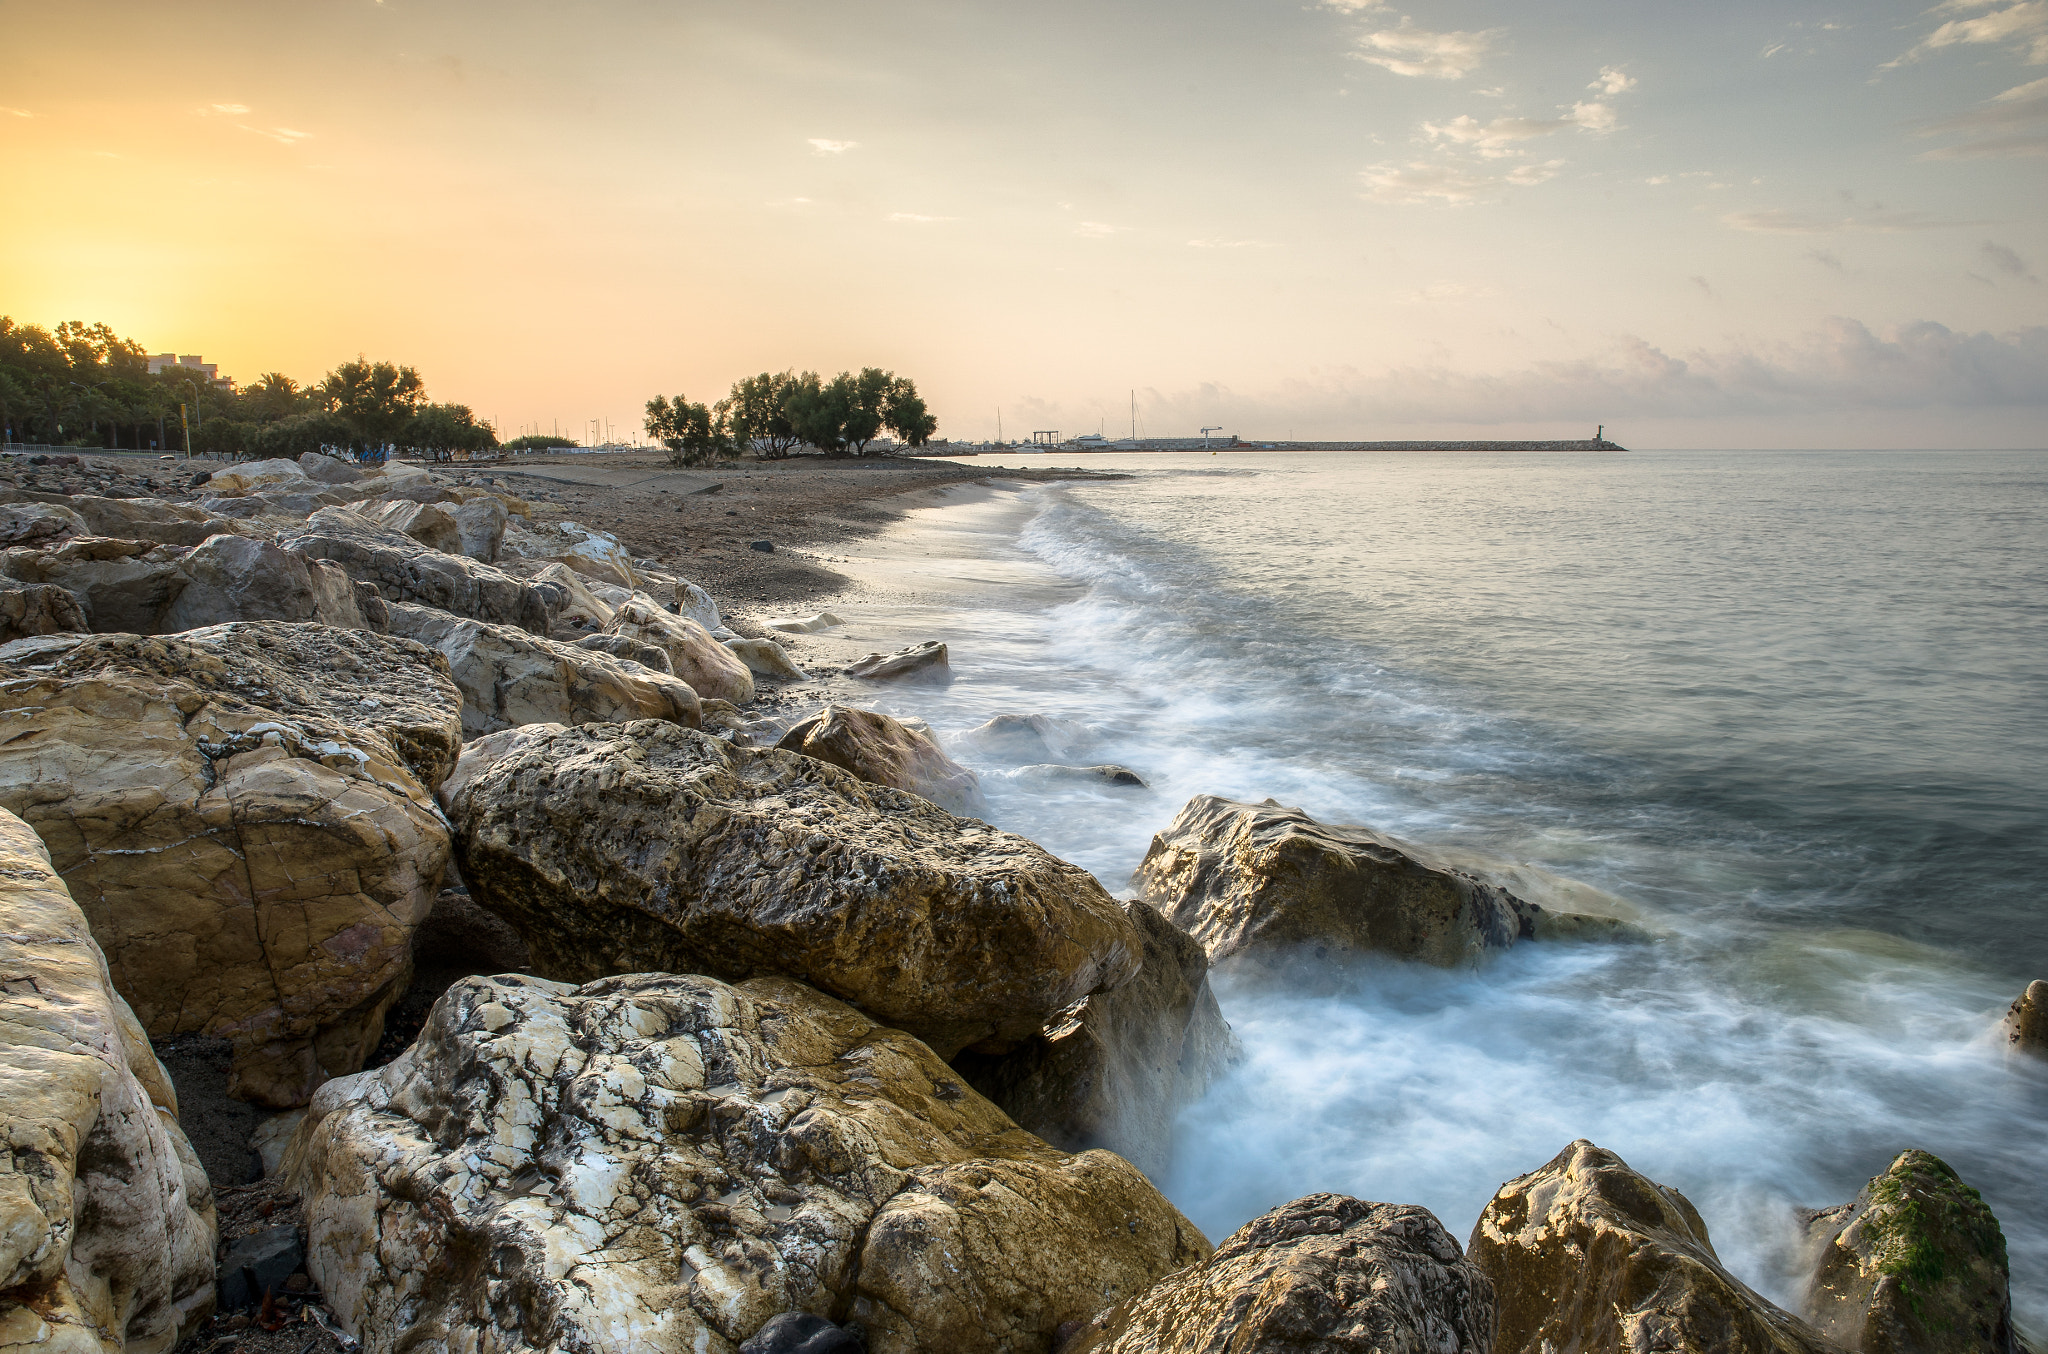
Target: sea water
{"x":1788,"y":710}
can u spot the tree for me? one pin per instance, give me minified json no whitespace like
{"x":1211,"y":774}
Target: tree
{"x":691,"y":432}
{"x":864,"y":398}
{"x":817,"y":411}
{"x":290,"y":438}
{"x":757,"y":415}
{"x":375,"y":400}
{"x":905,"y":414}
{"x":273,"y":397}
{"x":225,"y":439}
{"x":441,"y":430}
{"x":539,"y":442}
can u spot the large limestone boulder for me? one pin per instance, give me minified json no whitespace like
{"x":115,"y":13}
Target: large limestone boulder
{"x":429,"y":524}
{"x":30,"y":525}
{"x":638,"y":847}
{"x":480,"y":527}
{"x":579,"y":605}
{"x":148,"y":519}
{"x":664,"y":1162}
{"x":406,"y":571}
{"x":508,"y":677}
{"x":880,"y":749}
{"x":1914,"y":1264}
{"x":137,"y":588}
{"x":714,"y":671}
{"x":250,"y":476}
{"x":39,"y":609}
{"x":1265,"y":887}
{"x":1114,"y":1069}
{"x":1326,"y":1274}
{"x":1588,"y":1257}
{"x":324,"y":469}
{"x":1035,"y":739}
{"x":106,"y":1217}
{"x":245,"y":815}
{"x":2026,"y":1023}
{"x":620,"y":646}
{"x":233,"y":578}
{"x":594,"y":554}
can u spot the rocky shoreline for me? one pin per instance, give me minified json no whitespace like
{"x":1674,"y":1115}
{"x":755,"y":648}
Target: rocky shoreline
{"x":432,"y":923}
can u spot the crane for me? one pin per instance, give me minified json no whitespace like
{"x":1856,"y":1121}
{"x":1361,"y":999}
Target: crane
{"x":1205,"y":435}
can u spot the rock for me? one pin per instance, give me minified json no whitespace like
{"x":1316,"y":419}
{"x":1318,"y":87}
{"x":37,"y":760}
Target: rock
{"x":693,"y":603}
{"x":234,"y":578}
{"x":1110,"y":775}
{"x":1035,"y":739}
{"x":248,"y":477}
{"x":39,"y":609}
{"x":924,"y":662}
{"x":258,"y":1264}
{"x":270,"y":1138}
{"x":765,"y":547}
{"x":37,"y":524}
{"x":1115,"y":1068}
{"x":1914,"y":1264}
{"x":106,"y":1217}
{"x":666,"y":1162}
{"x":807,"y":625}
{"x":646,"y":846}
{"x":802,"y":1333}
{"x":1267,"y":887}
{"x":579,"y":604}
{"x":406,"y":571}
{"x":242,"y":507}
{"x":710,"y":668}
{"x":766,"y":658}
{"x":370,"y":604}
{"x":595,"y":554}
{"x":481,"y":526}
{"x":324,"y":469}
{"x":1588,"y":1257}
{"x":429,"y":524}
{"x":509,"y":677}
{"x":245,"y":815}
{"x":147,"y":519}
{"x":2026,"y":1024}
{"x":878,"y":749}
{"x":460,"y":934}
{"x":624,"y":646}
{"x":122,"y":586}
{"x":1326,"y":1274}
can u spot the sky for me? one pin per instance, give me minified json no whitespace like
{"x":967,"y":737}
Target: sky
{"x":1735,"y":225}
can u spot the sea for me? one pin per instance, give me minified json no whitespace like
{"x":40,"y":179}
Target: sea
{"x":1787,"y":710}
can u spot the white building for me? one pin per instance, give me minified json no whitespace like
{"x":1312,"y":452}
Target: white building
{"x":190,"y":365}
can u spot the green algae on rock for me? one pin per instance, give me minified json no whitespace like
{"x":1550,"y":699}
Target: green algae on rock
{"x":1914,"y":1264}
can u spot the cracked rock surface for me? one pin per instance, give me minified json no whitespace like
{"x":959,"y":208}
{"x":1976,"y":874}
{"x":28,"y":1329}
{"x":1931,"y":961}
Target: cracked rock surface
{"x":406,"y":571}
{"x":245,"y":814}
{"x":1589,"y":1257}
{"x":664,"y":1162}
{"x":621,"y":848}
{"x":877,"y":748}
{"x":106,"y":1217}
{"x":509,"y":677}
{"x":1326,"y":1274}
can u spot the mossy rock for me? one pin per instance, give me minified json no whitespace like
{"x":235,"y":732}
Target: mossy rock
{"x":1915,"y":1264}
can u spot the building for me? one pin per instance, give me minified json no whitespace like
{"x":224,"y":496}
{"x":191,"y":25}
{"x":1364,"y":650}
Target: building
{"x":189,"y":366}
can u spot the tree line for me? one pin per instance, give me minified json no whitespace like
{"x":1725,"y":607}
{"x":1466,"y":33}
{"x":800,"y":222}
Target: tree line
{"x":774,"y":414}
{"x":83,"y":385}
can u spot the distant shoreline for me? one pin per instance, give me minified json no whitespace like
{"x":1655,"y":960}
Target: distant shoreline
{"x":1182,"y":445}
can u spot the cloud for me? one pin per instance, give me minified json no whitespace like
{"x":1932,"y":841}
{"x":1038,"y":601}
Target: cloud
{"x":917,"y":218}
{"x":1844,"y":366}
{"x":1775,"y":221}
{"x":1409,"y":50}
{"x":1096,"y":230}
{"x":2023,"y":25}
{"x":1446,"y":293}
{"x":1826,"y":259}
{"x":1612,"y":81}
{"x":1421,"y":182}
{"x":16,"y":112}
{"x":823,"y":146}
{"x":2005,"y":262}
{"x":1501,"y":135}
{"x":238,"y":109}
{"x":1230,"y":244}
{"x":2010,"y":113}
{"x":284,"y":136}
